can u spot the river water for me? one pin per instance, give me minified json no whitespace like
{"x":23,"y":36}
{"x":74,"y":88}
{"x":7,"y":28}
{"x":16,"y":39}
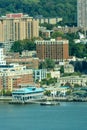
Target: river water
{"x":66,"y":116}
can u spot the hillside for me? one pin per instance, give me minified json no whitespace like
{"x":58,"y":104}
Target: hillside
{"x":47,"y":8}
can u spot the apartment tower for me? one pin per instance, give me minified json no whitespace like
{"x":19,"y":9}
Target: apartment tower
{"x":53,"y":49}
{"x":82,"y":13}
{"x":15,"y":27}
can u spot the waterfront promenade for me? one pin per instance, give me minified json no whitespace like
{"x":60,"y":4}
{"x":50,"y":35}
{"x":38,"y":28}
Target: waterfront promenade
{"x":48,"y":98}
{"x":67,"y":99}
{"x":5,"y":98}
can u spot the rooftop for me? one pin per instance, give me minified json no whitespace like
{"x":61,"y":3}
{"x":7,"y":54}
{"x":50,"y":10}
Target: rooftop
{"x":29,"y":90}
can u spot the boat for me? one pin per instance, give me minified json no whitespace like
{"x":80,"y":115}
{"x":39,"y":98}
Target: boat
{"x":49,"y":103}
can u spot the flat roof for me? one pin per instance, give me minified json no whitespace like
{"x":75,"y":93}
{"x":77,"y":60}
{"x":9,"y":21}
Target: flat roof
{"x":28,"y":90}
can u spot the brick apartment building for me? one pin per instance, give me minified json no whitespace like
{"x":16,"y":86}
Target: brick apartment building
{"x":17,"y":26}
{"x":57,"y":50}
{"x":30,"y":62}
{"x":13,"y":77}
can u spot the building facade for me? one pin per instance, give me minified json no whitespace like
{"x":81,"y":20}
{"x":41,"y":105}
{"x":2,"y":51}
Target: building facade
{"x":29,"y":93}
{"x":2,"y":61}
{"x":49,"y":20}
{"x":57,"y":50}
{"x":68,"y":68}
{"x":40,"y":74}
{"x":29,"y":62}
{"x":13,"y":76}
{"x":80,"y":80}
{"x":82,"y":13}
{"x":15,"y":27}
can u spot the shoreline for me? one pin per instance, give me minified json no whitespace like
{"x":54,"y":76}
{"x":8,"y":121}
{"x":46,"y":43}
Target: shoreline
{"x":7,"y":99}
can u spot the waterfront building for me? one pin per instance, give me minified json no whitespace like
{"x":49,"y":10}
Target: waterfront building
{"x":12,"y":76}
{"x":57,"y":50}
{"x":17,"y":26}
{"x":82,"y":13}
{"x":30,"y":93}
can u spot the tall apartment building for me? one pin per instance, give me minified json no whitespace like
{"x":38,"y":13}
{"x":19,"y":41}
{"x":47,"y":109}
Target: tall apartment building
{"x":82,"y":13}
{"x":17,"y":27}
{"x":54,"y":49}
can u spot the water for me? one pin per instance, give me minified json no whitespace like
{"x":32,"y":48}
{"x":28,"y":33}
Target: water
{"x":67,"y":116}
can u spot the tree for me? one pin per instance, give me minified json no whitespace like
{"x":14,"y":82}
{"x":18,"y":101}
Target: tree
{"x":17,"y":47}
{"x":47,"y":93}
{"x":50,"y":64}
{"x":47,"y":8}
{"x":42,"y":65}
{"x":62,"y":69}
{"x":21,"y":45}
{"x":57,"y":34}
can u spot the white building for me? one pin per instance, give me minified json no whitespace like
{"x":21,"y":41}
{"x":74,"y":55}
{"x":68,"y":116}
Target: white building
{"x":80,"y":80}
{"x":2,"y":61}
{"x":68,"y":68}
{"x":40,"y":74}
{"x":24,"y":95}
{"x":55,"y":74}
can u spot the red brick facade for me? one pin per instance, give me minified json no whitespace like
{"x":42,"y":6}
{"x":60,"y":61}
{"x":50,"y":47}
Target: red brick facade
{"x":57,"y":50}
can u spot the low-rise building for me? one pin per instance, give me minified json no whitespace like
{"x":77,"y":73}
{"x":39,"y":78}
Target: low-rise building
{"x":53,"y":21}
{"x":29,"y":62}
{"x":24,"y":95}
{"x":55,"y":74}
{"x":80,"y":80}
{"x":2,"y":56}
{"x":68,"y":68}
{"x":40,"y":74}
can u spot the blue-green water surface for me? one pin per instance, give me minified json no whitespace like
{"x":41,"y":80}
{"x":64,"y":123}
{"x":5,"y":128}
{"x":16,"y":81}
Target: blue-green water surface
{"x":67,"y":116}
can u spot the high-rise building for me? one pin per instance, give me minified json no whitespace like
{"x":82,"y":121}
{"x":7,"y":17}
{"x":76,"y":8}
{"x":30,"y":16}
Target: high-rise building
{"x":82,"y":13}
{"x":15,"y":27}
{"x":57,"y":50}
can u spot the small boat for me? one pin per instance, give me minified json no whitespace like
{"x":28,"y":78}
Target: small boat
{"x":49,"y":103}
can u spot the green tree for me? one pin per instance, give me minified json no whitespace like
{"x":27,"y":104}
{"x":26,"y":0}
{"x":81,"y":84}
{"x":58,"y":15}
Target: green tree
{"x":57,"y":34}
{"x":17,"y":47}
{"x":42,"y":65}
{"x":50,"y":64}
{"x":47,"y":93}
{"x":62,"y":69}
{"x":21,"y":45}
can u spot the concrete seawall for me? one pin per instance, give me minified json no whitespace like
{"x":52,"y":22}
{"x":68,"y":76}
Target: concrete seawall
{"x":5,"y":98}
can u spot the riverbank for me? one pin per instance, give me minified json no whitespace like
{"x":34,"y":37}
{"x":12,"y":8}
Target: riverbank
{"x":57,"y":99}
{"x":5,"y":98}
{"x":67,"y":99}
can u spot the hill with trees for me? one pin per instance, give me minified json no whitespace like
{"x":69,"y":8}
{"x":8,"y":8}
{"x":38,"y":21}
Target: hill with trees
{"x":46,"y":8}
